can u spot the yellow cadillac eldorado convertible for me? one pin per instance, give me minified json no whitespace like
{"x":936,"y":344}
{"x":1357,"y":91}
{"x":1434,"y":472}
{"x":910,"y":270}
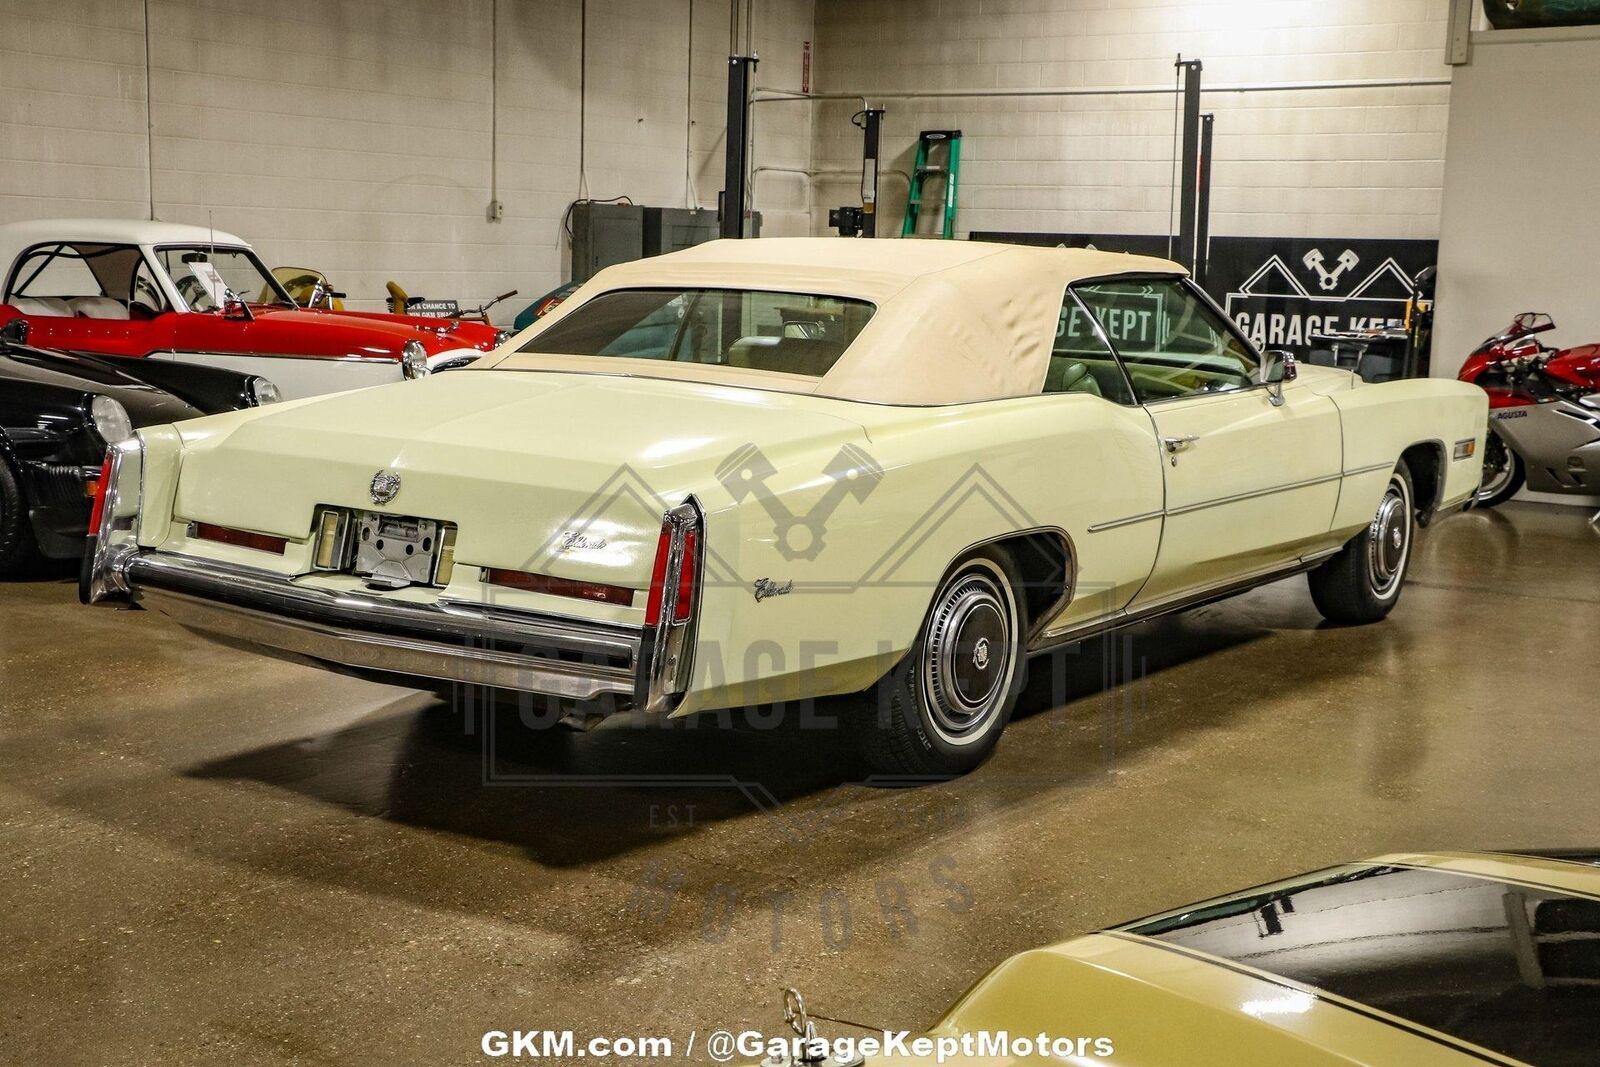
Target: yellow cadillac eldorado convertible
{"x":1411,"y":960}
{"x":776,"y":470}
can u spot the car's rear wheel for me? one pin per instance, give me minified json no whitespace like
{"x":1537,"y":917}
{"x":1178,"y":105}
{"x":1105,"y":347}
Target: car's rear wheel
{"x":940,"y":713}
{"x":1503,"y":473}
{"x":1362,"y":582}
{"x":18,"y":553}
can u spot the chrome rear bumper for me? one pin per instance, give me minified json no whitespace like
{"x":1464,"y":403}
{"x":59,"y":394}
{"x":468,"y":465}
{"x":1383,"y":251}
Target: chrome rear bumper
{"x":451,"y":641}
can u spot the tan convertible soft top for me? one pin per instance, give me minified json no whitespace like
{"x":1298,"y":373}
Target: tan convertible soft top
{"x":957,"y":321}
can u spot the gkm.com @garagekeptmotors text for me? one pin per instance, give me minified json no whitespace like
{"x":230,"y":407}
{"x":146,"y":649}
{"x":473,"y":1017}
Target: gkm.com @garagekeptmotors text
{"x":793,"y":1050}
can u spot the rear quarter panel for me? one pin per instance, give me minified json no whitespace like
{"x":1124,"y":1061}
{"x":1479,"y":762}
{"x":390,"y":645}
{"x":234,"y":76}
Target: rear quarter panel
{"x":1381,"y":421}
{"x":934,"y":483}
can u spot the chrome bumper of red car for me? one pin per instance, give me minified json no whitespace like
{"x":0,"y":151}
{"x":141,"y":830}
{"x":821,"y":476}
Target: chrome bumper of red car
{"x":451,"y":642}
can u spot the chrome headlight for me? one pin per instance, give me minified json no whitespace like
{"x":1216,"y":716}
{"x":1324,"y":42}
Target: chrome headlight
{"x":110,"y":419}
{"x":501,"y":337}
{"x":264,"y":392}
{"x":413,"y":359}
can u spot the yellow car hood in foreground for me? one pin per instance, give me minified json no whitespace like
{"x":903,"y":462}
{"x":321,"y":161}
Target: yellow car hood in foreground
{"x":1404,"y":960}
{"x":515,"y":458}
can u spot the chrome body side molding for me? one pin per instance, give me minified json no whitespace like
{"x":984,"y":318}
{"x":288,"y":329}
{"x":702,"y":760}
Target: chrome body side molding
{"x":1191,"y":599}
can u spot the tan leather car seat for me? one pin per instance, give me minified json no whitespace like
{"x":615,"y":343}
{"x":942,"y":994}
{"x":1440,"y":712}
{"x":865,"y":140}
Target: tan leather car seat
{"x":791,"y":355}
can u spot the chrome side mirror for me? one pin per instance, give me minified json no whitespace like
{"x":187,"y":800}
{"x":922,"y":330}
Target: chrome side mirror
{"x":1278,"y":368}
{"x":15,"y":332}
{"x":234,"y":307}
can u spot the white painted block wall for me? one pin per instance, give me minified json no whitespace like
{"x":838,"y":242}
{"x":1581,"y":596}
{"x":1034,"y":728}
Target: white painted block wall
{"x":1353,"y":163}
{"x":355,"y":135}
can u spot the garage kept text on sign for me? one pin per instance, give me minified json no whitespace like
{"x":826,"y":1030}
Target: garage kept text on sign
{"x":1283,"y":291}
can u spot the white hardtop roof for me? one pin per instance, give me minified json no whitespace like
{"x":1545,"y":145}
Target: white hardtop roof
{"x":16,"y":236}
{"x":956,"y":321}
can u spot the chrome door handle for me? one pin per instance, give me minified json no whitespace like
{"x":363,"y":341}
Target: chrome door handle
{"x":1174,"y":445}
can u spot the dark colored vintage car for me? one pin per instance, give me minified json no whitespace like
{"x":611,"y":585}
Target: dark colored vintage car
{"x":59,"y":411}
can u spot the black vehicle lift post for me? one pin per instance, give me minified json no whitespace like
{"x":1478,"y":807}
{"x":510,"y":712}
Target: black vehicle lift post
{"x":1202,"y":239}
{"x":1189,"y":170}
{"x":849,"y":220}
{"x":871,"y":122}
{"x":736,"y":176}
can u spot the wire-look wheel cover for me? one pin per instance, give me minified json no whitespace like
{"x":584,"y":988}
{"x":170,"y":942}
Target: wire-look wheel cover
{"x":970,"y":655}
{"x":1389,"y":539}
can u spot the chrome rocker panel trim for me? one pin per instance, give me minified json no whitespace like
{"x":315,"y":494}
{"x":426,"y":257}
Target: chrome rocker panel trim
{"x":1195,"y":598}
{"x":450,"y":642}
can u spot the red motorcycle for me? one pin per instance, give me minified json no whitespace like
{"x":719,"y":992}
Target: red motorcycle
{"x":1544,"y":413}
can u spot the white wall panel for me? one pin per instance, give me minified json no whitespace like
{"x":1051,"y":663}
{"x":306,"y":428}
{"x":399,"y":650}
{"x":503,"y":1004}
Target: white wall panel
{"x":1520,"y":221}
{"x":356,"y":135}
{"x":1364,"y":163}
{"x":1519,"y":225}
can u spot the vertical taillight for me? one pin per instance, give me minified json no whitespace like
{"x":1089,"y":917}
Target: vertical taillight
{"x":97,"y":511}
{"x":113,"y":524}
{"x":688,"y":574}
{"x":667,"y":646}
{"x":658,"y":576}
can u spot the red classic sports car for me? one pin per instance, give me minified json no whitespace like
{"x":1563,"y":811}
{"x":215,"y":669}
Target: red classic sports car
{"x":191,"y":294}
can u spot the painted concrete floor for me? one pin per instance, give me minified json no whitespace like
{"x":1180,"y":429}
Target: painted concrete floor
{"x":206,"y":857}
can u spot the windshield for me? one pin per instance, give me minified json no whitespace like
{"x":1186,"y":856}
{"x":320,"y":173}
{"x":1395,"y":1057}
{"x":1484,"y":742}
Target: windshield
{"x":787,"y":333}
{"x":205,"y":277}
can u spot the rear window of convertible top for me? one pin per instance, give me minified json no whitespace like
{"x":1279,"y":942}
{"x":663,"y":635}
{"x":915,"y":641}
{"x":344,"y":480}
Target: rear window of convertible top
{"x":790,"y":333}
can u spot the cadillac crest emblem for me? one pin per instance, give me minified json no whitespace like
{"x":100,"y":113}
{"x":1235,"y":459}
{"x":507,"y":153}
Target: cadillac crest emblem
{"x":385,"y":487}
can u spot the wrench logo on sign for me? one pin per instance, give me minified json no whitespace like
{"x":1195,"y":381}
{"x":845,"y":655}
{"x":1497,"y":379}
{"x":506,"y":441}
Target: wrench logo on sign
{"x":1329,"y":279}
{"x":852,"y":472}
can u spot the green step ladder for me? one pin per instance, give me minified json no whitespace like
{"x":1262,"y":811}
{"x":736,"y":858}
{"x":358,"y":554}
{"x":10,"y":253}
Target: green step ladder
{"x":927,"y":140}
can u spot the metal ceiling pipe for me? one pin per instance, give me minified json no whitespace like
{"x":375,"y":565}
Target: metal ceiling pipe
{"x":766,"y":94}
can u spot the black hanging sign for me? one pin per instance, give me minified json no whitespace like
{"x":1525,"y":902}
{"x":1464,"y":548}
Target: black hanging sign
{"x":1282,"y":291}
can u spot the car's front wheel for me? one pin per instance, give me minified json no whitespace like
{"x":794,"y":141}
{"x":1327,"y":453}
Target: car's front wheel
{"x":1362,"y":582}
{"x":940,"y":713}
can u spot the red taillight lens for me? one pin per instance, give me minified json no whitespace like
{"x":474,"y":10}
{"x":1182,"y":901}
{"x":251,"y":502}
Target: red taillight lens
{"x":687,"y":568}
{"x":688,"y":573}
{"x":227,"y":535}
{"x":98,"y":510}
{"x":544,"y":583}
{"x":658,"y":578}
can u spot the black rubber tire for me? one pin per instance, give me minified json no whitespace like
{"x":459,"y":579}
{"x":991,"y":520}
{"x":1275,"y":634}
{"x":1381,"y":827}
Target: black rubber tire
{"x":19,"y":554}
{"x":1352,"y":587}
{"x":1519,"y":474}
{"x":898,"y":733}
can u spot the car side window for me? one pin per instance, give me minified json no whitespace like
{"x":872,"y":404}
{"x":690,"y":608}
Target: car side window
{"x":747,"y":329}
{"x":55,"y":272}
{"x":1080,"y":362}
{"x":1171,"y":341}
{"x":146,"y":291}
